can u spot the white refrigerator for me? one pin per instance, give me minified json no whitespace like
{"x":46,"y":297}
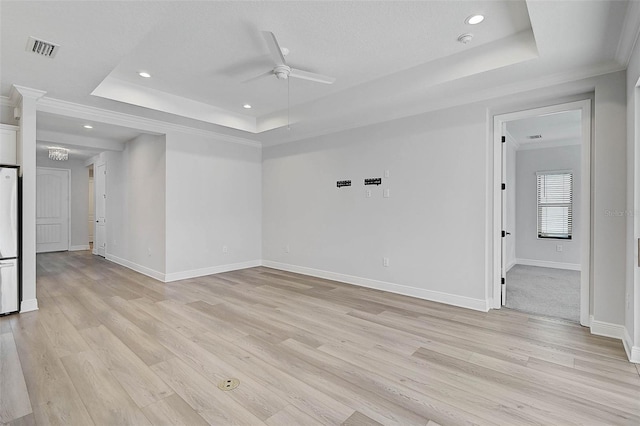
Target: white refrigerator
{"x":9,"y":237}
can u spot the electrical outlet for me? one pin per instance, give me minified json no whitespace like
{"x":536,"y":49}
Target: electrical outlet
{"x":387,"y":173}
{"x":385,"y":262}
{"x":287,"y":249}
{"x":386,"y":193}
{"x":225,"y":249}
{"x":367,"y":193}
{"x":148,"y":251}
{"x":559,"y":247}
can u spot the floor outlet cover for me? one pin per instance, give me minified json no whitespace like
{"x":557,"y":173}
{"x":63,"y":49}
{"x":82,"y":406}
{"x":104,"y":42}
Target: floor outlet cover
{"x":228,"y":384}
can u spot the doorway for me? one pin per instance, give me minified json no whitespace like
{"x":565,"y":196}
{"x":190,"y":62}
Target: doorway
{"x":542,"y":207}
{"x":52,"y":209}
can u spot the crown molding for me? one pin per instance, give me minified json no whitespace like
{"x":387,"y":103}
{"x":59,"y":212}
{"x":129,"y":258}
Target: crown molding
{"x":5,"y":101}
{"x":629,"y":33}
{"x":19,"y":92}
{"x":70,"y":109}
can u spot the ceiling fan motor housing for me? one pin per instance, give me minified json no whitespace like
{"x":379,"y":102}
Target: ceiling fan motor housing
{"x":282,"y":72}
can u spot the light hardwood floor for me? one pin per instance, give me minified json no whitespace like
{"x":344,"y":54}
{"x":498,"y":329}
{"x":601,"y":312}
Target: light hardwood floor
{"x":112,"y":347}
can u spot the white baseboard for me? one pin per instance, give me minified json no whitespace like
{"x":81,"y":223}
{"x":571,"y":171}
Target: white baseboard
{"x":606,"y":329}
{"x":633,"y":352}
{"x":79,"y":248}
{"x":511,"y":265}
{"x":28,"y":305}
{"x":183,"y":275}
{"x":549,"y":264}
{"x":435,"y":296}
{"x":138,"y":268}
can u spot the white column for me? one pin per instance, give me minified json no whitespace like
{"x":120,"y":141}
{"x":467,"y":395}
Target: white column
{"x":25,"y":99}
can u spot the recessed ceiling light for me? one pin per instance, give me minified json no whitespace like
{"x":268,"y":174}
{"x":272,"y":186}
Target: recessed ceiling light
{"x":474,"y":19}
{"x":246,"y":106}
{"x":88,"y":126}
{"x":144,"y":74}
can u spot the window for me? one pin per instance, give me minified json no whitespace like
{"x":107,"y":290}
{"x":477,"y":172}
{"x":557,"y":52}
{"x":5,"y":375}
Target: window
{"x":555,"y":210}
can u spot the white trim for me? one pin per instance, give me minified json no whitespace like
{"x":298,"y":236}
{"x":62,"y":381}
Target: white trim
{"x":606,"y":329}
{"x":29,"y":305}
{"x":5,"y":101}
{"x":183,"y":275}
{"x":18,"y":92}
{"x":629,"y":33}
{"x":134,"y":266}
{"x":549,"y":264}
{"x":585,"y":207}
{"x":79,"y":248}
{"x":511,"y":265}
{"x":420,"y":293}
{"x":549,"y":143}
{"x":10,"y":127}
{"x":70,"y":109}
{"x":633,"y":352}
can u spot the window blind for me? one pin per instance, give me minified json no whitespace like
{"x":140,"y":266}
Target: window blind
{"x":555,"y":204}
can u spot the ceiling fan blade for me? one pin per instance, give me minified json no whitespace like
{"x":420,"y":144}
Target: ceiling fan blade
{"x":306,"y":75}
{"x":264,"y":74}
{"x":274,"y":48}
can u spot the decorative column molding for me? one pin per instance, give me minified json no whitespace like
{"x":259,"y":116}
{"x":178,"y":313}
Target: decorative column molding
{"x":25,"y":100}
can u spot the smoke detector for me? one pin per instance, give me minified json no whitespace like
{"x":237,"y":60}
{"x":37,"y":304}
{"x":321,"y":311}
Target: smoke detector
{"x":42,"y":48}
{"x":465,"y":38}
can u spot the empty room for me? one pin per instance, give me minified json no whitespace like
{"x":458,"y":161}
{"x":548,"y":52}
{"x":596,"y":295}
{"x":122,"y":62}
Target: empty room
{"x":320,"y":212}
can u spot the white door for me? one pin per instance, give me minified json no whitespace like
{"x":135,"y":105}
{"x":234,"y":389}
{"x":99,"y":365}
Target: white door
{"x":52,"y":209}
{"x":100,"y":190}
{"x":503,"y":251}
{"x":92,"y":203}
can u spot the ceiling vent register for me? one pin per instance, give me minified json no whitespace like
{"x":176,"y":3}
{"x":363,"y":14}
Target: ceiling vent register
{"x":42,"y":48}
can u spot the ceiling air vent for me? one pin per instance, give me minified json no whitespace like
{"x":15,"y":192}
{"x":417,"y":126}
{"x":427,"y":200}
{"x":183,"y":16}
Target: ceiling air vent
{"x":535,"y":137}
{"x":42,"y":48}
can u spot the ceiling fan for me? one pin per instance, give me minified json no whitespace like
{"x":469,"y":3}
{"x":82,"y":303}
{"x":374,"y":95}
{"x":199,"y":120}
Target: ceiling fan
{"x":281,"y":70}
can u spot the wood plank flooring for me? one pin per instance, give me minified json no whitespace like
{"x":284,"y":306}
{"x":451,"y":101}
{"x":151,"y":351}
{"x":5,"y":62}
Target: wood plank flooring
{"x":113,"y":347}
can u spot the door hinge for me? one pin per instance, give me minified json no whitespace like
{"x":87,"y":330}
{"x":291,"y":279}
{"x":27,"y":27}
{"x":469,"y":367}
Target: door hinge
{"x":504,"y":234}
{"x":504,"y":139}
{"x":504,"y":186}
{"x":502,"y":280}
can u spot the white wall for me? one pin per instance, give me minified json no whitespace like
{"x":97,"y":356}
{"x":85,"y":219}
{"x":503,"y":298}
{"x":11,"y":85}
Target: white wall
{"x":511,"y":210}
{"x":528,"y":246}
{"x":609,"y":173}
{"x":436,"y":227}
{"x":432,"y":228}
{"x":213,"y":199}
{"x":136,"y":206}
{"x":79,"y":198}
{"x":632,"y":211}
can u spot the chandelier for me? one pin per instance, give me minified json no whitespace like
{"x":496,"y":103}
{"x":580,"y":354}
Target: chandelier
{"x":59,"y":154}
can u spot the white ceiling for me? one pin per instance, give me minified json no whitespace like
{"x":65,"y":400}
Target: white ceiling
{"x":75,"y":126}
{"x":69,"y":132}
{"x":390,"y":58}
{"x":563,"y":128}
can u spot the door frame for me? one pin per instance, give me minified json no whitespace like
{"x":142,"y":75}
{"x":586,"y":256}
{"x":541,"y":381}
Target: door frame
{"x":499,"y":122}
{"x":68,"y":203}
{"x":97,"y":164}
